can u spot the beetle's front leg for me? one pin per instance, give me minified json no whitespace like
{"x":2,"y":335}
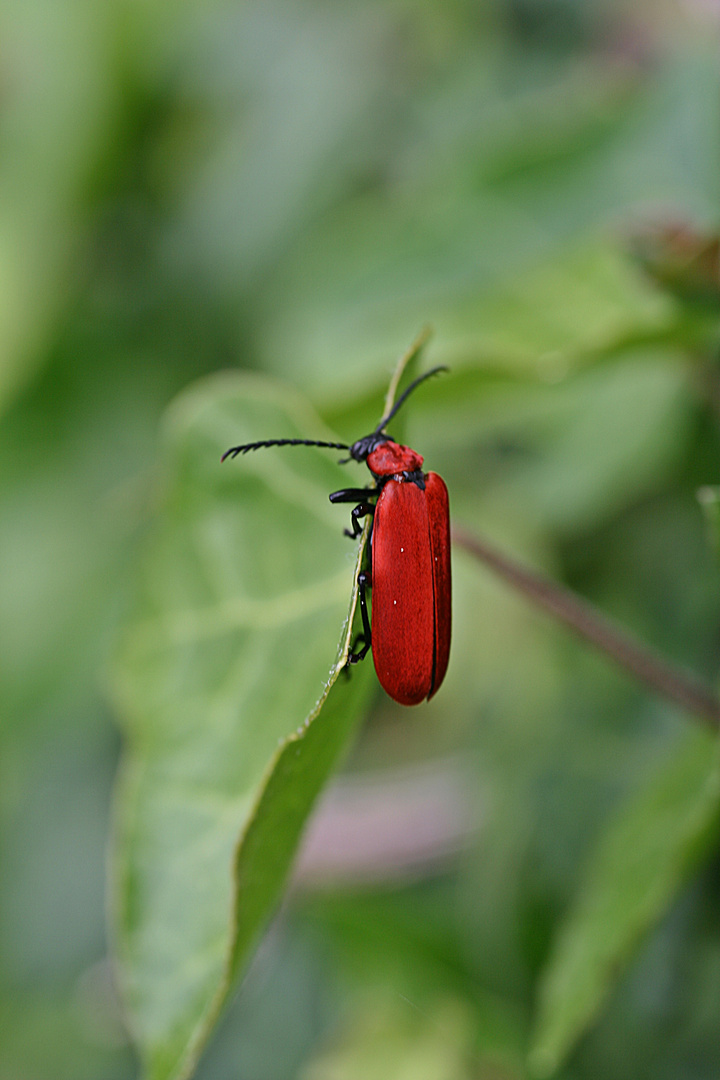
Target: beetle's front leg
{"x":362,"y":509}
{"x":364,"y":582}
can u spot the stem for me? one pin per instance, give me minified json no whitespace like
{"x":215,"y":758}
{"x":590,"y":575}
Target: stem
{"x":662,"y":676}
{"x":407,"y":358}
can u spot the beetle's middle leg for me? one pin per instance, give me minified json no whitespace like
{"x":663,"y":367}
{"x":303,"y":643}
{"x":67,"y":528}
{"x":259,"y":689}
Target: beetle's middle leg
{"x":362,"y":509}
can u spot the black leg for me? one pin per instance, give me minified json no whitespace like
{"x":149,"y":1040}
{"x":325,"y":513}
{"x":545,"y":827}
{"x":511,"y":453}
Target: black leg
{"x":357,"y":512}
{"x":362,"y":509}
{"x":350,"y":494}
{"x":364,"y":583}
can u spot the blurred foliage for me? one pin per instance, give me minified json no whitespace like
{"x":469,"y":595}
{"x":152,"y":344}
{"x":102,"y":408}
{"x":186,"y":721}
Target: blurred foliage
{"x":658,"y":839}
{"x":294,"y":189}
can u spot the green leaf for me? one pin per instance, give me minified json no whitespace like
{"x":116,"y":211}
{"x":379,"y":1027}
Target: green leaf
{"x":220,"y":681}
{"x":634,"y":873}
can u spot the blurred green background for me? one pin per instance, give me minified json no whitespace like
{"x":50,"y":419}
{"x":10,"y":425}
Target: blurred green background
{"x":295,"y":188}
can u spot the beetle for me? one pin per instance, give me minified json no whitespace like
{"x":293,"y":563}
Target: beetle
{"x":410,"y":573}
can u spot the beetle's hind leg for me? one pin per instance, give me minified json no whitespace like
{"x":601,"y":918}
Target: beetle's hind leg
{"x":364,"y":582}
{"x":362,"y":509}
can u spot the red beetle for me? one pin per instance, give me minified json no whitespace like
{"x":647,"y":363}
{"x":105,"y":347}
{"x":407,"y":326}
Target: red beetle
{"x":410,"y":541}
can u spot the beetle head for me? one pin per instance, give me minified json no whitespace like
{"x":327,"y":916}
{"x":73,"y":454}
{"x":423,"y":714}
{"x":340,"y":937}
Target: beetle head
{"x":359,"y":450}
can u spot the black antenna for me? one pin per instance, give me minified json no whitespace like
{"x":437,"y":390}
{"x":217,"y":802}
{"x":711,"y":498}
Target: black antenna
{"x":235,"y":450}
{"x":406,"y":394}
{"x":360,"y":449}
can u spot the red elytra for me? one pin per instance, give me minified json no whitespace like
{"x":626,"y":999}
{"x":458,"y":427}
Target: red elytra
{"x":410,"y":543}
{"x":411,"y":579}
